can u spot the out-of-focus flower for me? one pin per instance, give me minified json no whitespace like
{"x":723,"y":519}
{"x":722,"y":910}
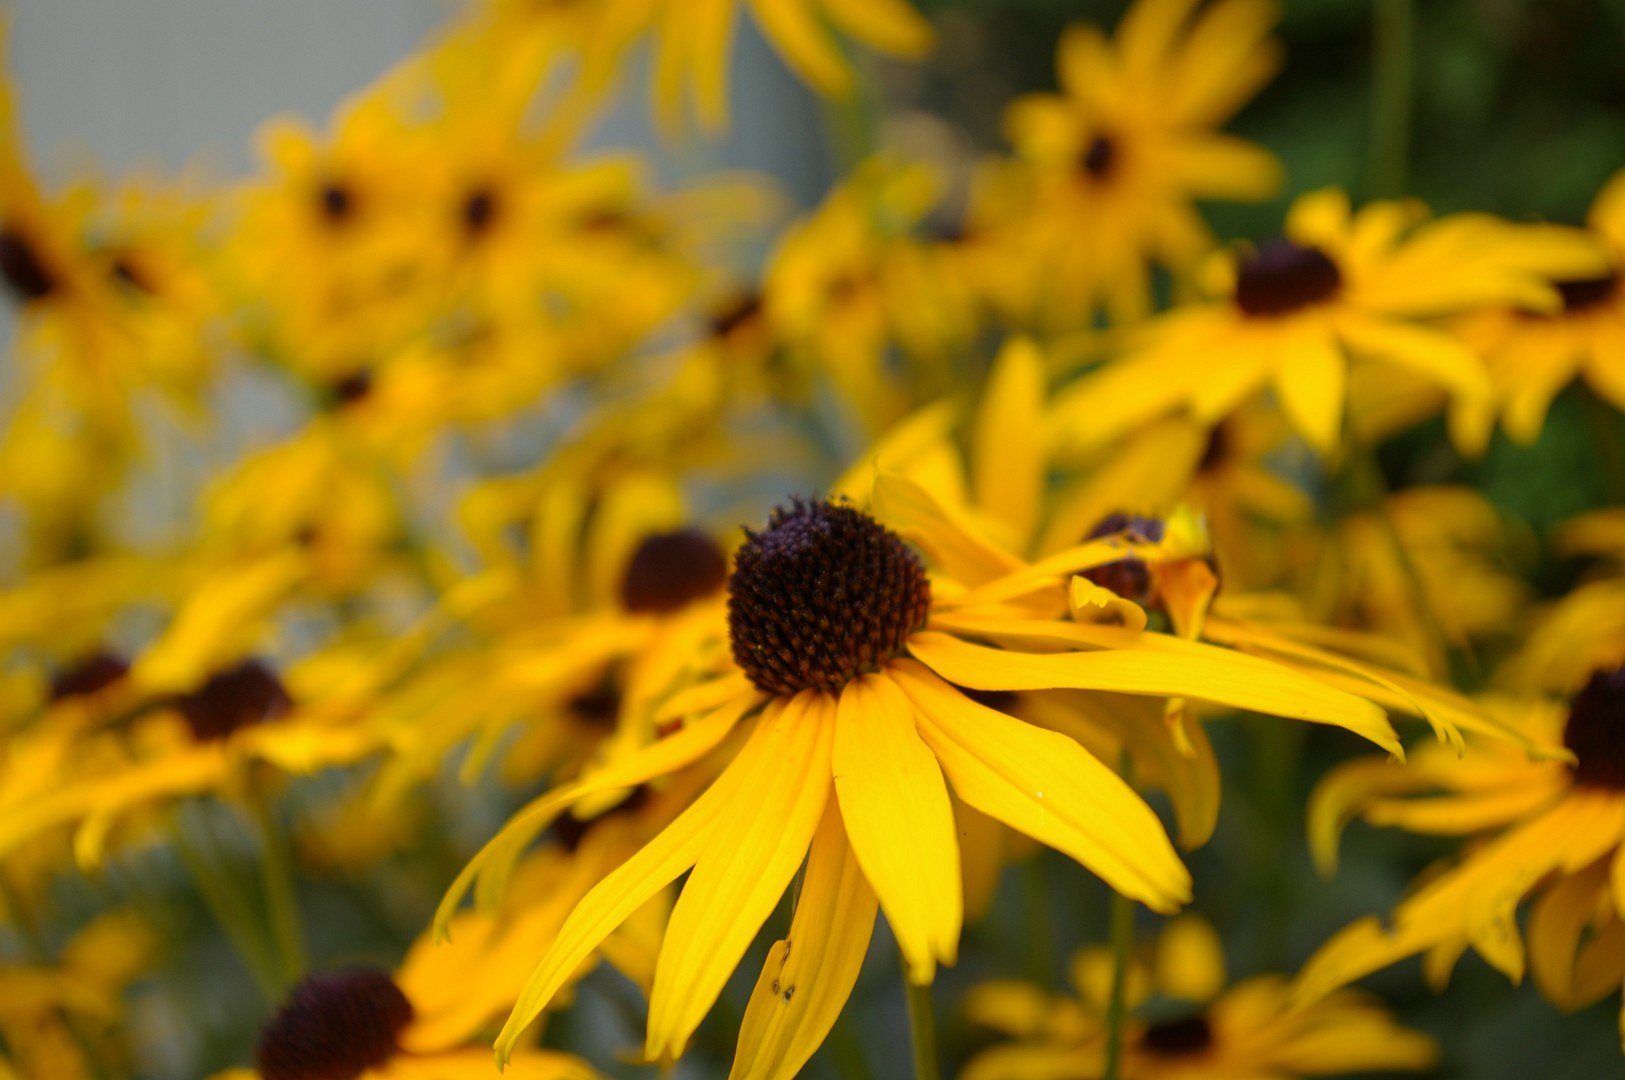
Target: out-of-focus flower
{"x":1532,"y":355}
{"x":1548,"y":828}
{"x":1110,"y":170}
{"x":1189,"y":1024}
{"x":1584,"y":630}
{"x":1293,"y":314}
{"x":855,"y":281}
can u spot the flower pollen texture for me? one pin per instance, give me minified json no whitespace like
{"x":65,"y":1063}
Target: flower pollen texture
{"x":334,"y":1026}
{"x":1595,"y":731}
{"x":822,"y":595}
{"x":670,"y":570}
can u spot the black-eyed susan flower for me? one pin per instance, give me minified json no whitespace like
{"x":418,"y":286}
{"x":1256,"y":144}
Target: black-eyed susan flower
{"x":839,"y":692}
{"x":1290,"y":315}
{"x":1115,"y":164}
{"x":1547,"y":829}
{"x":1532,"y":355}
{"x":1189,"y":1022}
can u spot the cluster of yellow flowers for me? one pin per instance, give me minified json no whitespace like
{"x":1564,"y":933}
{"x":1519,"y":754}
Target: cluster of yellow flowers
{"x":397,"y":492}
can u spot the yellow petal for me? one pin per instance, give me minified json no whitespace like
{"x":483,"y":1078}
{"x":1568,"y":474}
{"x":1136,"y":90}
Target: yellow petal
{"x":899,"y":820}
{"x":779,"y":783}
{"x":1007,"y":466}
{"x":1159,"y":665}
{"x":1047,"y":786}
{"x":1310,"y":380}
{"x":809,"y":975}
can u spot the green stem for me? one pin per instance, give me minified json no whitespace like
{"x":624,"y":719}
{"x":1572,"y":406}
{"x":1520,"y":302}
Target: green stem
{"x":1393,"y":90}
{"x":281,"y":895}
{"x":1040,"y":927}
{"x":1279,"y":746}
{"x":1122,"y":944}
{"x":234,"y":914}
{"x":1122,"y":930}
{"x":922,"y":1029}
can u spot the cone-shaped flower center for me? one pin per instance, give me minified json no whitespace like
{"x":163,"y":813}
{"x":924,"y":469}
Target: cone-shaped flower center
{"x":234,"y":699}
{"x":351,"y":388}
{"x":737,"y":314}
{"x":1129,"y":578}
{"x":89,"y":675}
{"x":822,"y":595}
{"x":1595,"y":731}
{"x":1174,"y":1038}
{"x":22,"y":268}
{"x":669,"y":570}
{"x":334,"y":1027}
{"x":1582,"y":293}
{"x":1282,"y":277}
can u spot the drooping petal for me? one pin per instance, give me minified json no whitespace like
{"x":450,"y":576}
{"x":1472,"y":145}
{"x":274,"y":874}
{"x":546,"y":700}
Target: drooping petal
{"x":809,"y":975}
{"x":1045,"y":785}
{"x":899,"y":821}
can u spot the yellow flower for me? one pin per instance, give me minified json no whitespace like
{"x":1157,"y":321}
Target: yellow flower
{"x":1117,"y":161}
{"x":1545,"y":828}
{"x":1190,"y":1024}
{"x":851,"y":282}
{"x":56,"y":1017}
{"x":1532,"y":355}
{"x":1292,"y":314}
{"x":838,"y":701}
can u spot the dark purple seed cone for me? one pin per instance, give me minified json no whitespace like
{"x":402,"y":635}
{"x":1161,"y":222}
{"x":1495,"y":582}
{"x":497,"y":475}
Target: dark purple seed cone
{"x":1595,"y":731}
{"x":822,"y":595}
{"x":671,"y":570}
{"x":1582,"y":293}
{"x":22,"y":268}
{"x":1099,"y":157}
{"x":336,"y":202}
{"x":1129,"y":578}
{"x":479,"y":211}
{"x":234,"y":699}
{"x":1175,"y":1038}
{"x":88,"y":675}
{"x":1282,"y":277}
{"x":334,"y":1027}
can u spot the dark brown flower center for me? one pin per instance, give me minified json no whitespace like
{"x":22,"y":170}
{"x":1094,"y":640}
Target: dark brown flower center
{"x":1099,"y":157}
{"x":671,"y":570}
{"x":351,"y":388}
{"x":1176,"y":1038}
{"x":1595,"y":731}
{"x":334,"y":1027}
{"x":822,"y":595}
{"x":88,"y":675}
{"x":480,"y":209}
{"x":1128,"y":577}
{"x":231,"y":700}
{"x":600,"y":706}
{"x":336,"y":202}
{"x":1282,"y":277}
{"x":23,"y":269}
{"x":1582,"y":293}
